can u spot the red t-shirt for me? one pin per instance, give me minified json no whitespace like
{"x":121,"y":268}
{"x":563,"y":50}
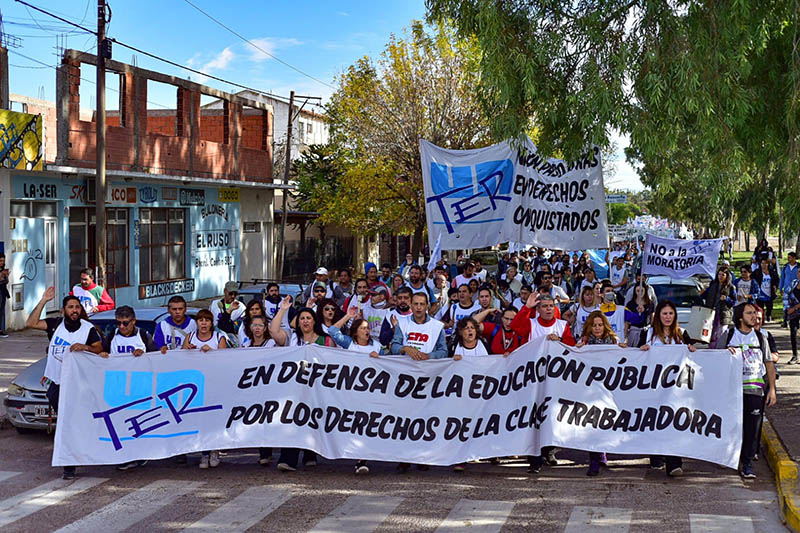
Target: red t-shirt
{"x":496,"y":345}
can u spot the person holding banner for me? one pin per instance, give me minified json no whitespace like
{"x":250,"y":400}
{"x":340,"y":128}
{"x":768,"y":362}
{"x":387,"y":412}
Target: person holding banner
{"x":665,"y":331}
{"x":500,"y":338}
{"x":360,"y":341}
{"x":127,"y":338}
{"x":171,"y":332}
{"x":258,"y":337}
{"x":719,"y":296}
{"x":745,"y":341}
{"x":420,"y":337}
{"x":72,"y":332}
{"x":206,"y":339}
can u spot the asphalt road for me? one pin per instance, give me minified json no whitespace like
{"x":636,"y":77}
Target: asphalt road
{"x":241,"y":495}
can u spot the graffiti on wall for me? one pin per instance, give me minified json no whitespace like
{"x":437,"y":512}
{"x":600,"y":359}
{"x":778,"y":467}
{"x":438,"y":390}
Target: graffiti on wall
{"x":20,"y":140}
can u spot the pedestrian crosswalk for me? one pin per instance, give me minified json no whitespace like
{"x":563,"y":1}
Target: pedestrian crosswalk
{"x":251,"y":507}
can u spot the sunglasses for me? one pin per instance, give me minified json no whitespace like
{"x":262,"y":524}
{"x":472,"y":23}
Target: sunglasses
{"x":123,"y":323}
{"x":329,"y":308}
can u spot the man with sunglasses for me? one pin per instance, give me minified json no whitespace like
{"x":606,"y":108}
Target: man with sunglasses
{"x":127,"y":339}
{"x":228,"y":311}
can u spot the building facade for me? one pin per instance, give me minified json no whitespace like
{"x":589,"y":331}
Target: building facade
{"x":189,"y":193}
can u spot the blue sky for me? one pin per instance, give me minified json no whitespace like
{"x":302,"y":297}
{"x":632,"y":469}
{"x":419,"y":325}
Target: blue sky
{"x":317,"y":37}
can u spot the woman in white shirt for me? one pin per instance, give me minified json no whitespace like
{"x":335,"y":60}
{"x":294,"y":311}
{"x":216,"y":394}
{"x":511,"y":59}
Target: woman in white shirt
{"x":665,"y":331}
{"x":577,"y":314}
{"x":468,"y":343}
{"x":254,"y":308}
{"x":206,"y":339}
{"x":360,"y":341}
{"x":258,"y":337}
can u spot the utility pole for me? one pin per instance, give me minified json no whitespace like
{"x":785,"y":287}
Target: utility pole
{"x":282,"y":236}
{"x":100,"y":176}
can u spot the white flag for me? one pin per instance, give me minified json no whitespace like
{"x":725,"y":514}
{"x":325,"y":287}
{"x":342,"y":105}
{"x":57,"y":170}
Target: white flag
{"x":436,"y":254}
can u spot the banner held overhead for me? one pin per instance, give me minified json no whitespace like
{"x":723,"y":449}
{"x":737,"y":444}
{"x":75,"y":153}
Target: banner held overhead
{"x":680,"y":258}
{"x":477,"y":198}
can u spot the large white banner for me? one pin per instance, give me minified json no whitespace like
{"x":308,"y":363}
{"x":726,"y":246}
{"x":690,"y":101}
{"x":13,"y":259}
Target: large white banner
{"x":345,"y":405}
{"x":481,"y":197}
{"x":678,"y":258}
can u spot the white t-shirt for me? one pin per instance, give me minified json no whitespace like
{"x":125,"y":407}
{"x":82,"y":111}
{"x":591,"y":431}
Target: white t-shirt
{"x":457,"y":312}
{"x":753,"y":367}
{"x":59,"y":344}
{"x":653,"y":340}
{"x":269,"y":344}
{"x":481,"y":276}
{"x":461,"y":279}
{"x":121,"y":345}
{"x":581,"y":315}
{"x":618,"y":274}
{"x":212,"y":343}
{"x":766,"y":287}
{"x":477,"y":351}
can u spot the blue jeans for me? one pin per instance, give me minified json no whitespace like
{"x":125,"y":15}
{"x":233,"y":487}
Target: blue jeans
{"x":3,"y":301}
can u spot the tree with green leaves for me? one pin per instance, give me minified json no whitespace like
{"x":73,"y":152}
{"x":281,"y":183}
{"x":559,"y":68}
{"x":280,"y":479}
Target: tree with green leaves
{"x":707,"y":91}
{"x":423,"y":86}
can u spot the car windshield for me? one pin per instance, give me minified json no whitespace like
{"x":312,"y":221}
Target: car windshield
{"x":680,"y":295}
{"x":488,"y":259}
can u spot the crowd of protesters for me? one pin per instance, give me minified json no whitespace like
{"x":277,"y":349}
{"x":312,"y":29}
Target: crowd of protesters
{"x":460,"y":310}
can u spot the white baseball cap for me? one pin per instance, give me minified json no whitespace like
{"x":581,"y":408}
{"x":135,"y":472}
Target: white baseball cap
{"x":321,"y":271}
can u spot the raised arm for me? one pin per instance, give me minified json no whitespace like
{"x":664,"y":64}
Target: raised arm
{"x":275,"y":330}
{"x":34,"y":320}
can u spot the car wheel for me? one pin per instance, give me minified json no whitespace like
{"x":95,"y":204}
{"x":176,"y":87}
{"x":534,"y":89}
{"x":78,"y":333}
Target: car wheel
{"x":24,"y":431}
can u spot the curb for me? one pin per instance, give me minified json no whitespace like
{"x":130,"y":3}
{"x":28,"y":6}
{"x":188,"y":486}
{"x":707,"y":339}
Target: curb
{"x":786,"y":476}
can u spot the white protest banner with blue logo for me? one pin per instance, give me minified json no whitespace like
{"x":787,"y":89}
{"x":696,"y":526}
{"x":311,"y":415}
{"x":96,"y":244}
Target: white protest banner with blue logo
{"x":346,"y":405}
{"x":680,"y":258}
{"x":485,"y":196}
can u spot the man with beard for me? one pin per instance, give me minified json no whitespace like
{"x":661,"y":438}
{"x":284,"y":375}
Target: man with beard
{"x":374,"y":311}
{"x":343,"y":288}
{"x":486,"y":301}
{"x":92,"y":296}
{"x":465,"y":277}
{"x":500,"y":338}
{"x":386,"y":274}
{"x":401,"y":312}
{"x":416,"y":283}
{"x":68,"y":333}
{"x":272,"y":301}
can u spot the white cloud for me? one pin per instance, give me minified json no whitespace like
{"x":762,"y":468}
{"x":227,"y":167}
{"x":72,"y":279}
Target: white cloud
{"x":343,"y":13}
{"x":271,"y":45}
{"x":220,"y":61}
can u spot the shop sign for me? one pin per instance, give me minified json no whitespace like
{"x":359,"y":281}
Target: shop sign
{"x":40,"y":190}
{"x":169,"y":194}
{"x":148,"y":195}
{"x":118,"y":194}
{"x":228,"y":194}
{"x":192,"y":197}
{"x":165,"y":288}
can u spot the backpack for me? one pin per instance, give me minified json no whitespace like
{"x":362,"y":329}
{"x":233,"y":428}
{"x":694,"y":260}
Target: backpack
{"x":497,"y":329}
{"x":224,"y":322}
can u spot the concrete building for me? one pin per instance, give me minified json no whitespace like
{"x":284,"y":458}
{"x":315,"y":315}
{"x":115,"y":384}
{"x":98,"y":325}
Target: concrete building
{"x":189,"y":193}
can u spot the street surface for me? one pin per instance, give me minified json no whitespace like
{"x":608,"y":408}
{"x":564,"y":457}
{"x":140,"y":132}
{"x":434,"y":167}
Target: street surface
{"x":241,"y":495}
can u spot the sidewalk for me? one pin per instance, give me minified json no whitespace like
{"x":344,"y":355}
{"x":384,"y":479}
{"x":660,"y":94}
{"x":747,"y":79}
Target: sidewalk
{"x":784,"y":415}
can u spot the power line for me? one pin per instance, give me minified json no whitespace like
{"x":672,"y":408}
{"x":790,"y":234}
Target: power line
{"x":159,"y":58}
{"x":251,"y":43}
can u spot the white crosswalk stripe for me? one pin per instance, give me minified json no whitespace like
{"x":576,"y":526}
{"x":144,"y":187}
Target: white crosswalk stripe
{"x":133,"y":507}
{"x":599,"y":520}
{"x":711,"y":523}
{"x":50,"y":493}
{"x":484,"y":516}
{"x":7,"y":475}
{"x":358,"y":514}
{"x":244,"y":511}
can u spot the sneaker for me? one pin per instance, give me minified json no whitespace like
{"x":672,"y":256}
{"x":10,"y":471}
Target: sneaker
{"x":284,"y":467}
{"x":551,"y":458}
{"x":264,"y":461}
{"x":675,"y":472}
{"x":403,"y":467}
{"x":131,"y":464}
{"x":594,"y":468}
{"x":656,"y":464}
{"x":213,"y":459}
{"x":792,"y":361}
{"x":310,"y":463}
{"x":534,"y":469}
{"x":3,"y":334}
{"x":460,"y":467}
{"x":204,"y":462}
{"x":604,"y":459}
{"x":755,"y":457}
{"x":747,"y":472}
{"x":362,"y":468}
{"x":69,"y":473}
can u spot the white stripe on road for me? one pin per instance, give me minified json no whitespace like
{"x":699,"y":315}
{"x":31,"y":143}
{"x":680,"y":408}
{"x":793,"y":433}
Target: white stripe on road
{"x":6,"y":475}
{"x":599,"y":520}
{"x":359,"y":514}
{"x":133,"y":507}
{"x":712,"y":523}
{"x":485,"y":516}
{"x":244,"y":511}
{"x":51,"y":493}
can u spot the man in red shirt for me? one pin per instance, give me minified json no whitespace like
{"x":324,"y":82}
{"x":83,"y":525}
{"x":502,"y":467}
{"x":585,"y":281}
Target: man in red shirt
{"x":544,"y":325}
{"x":500,"y":338}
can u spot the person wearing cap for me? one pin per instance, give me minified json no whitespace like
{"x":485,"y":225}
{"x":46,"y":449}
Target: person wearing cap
{"x":320,"y":276}
{"x":228,"y":311}
{"x":371,"y":271}
{"x":374,"y":311}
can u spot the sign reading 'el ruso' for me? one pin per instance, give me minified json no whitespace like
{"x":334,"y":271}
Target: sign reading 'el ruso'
{"x":666,"y":401}
{"x":476,"y":198}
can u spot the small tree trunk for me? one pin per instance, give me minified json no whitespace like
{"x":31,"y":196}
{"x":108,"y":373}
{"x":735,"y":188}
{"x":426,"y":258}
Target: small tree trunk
{"x":747,"y":241}
{"x":416,"y":245}
{"x":797,"y":243}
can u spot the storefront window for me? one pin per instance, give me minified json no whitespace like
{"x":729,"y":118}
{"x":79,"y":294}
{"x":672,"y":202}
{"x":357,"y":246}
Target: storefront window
{"x":162,"y":237}
{"x":82,"y":239}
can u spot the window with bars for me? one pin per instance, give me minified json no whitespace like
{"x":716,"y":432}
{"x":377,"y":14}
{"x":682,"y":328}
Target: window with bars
{"x":162,"y":240}
{"x":83,"y":248}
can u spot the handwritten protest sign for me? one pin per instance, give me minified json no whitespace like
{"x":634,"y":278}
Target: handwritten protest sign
{"x":680,"y":258}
